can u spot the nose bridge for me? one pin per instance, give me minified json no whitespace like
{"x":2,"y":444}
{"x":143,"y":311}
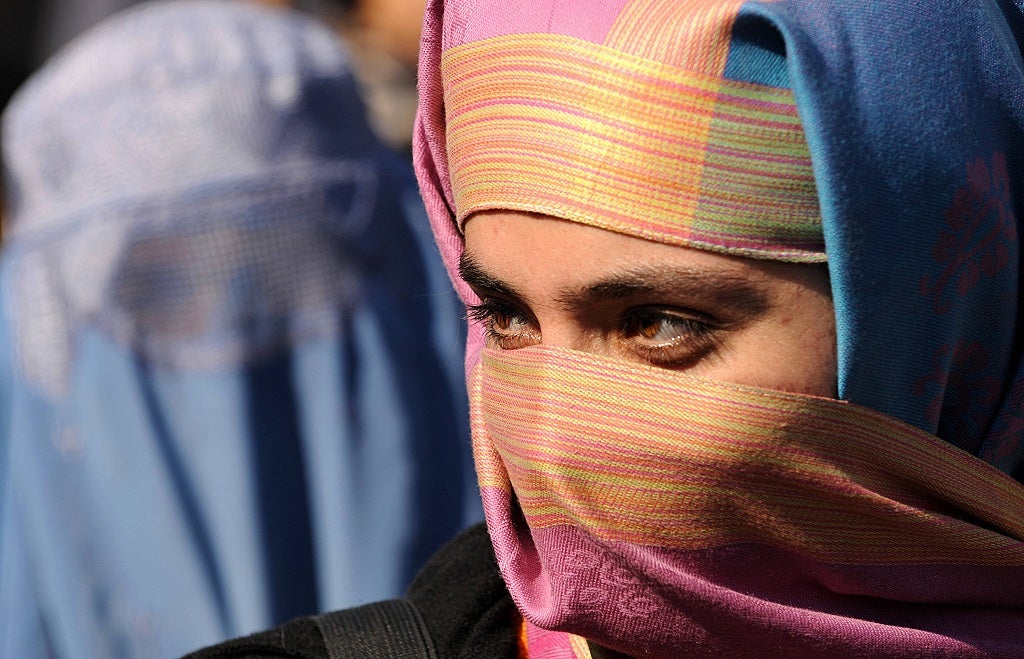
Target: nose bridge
{"x":563,"y":330}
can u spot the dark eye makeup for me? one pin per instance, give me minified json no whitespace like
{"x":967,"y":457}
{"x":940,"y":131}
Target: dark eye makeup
{"x":506,"y":327}
{"x":661,"y":336}
{"x":668,"y":337}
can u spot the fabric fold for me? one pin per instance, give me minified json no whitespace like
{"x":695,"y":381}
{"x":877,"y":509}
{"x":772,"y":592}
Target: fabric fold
{"x":630,"y":505}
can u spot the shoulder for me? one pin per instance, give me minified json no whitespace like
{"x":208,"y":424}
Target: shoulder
{"x":298,"y":639}
{"x":457,"y":605}
{"x":464,"y":601}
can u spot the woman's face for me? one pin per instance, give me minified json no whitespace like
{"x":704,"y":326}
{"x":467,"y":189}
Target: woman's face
{"x":546,"y":281}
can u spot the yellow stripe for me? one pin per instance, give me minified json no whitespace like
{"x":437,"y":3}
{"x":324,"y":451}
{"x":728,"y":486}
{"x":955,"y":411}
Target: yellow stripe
{"x":690,"y":34}
{"x":555,"y":125}
{"x":659,"y":458}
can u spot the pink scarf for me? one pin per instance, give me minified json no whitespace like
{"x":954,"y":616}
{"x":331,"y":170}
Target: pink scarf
{"x":653,"y":512}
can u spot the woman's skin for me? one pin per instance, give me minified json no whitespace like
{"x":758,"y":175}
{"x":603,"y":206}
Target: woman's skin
{"x":546,"y":281}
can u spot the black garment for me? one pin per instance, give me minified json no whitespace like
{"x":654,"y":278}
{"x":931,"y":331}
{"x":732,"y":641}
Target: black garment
{"x":465,"y":611}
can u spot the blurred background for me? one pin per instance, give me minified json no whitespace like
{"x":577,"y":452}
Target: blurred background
{"x":382,"y":37}
{"x":231,"y":383}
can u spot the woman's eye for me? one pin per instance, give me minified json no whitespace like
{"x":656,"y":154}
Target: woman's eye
{"x":667,"y":338}
{"x":506,"y":327}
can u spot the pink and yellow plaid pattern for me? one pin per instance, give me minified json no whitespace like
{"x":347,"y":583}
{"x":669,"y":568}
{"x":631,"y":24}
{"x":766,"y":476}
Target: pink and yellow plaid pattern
{"x":656,"y":481}
{"x":649,"y":456}
{"x":634,"y":135}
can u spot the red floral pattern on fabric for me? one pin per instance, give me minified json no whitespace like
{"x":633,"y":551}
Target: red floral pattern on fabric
{"x":1007,"y":434}
{"x":963,"y":390}
{"x":978,"y":236}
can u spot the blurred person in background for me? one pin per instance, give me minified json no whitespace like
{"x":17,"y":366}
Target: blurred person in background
{"x":382,"y":37}
{"x":32,"y":30}
{"x":231,"y":384}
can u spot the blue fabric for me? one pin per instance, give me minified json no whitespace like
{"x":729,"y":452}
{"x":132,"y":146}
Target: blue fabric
{"x":230,"y":360}
{"x":918,"y":163}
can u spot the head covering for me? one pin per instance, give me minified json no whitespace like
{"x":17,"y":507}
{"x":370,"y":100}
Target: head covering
{"x":231,"y":386}
{"x":659,"y":146}
{"x":912,"y":118}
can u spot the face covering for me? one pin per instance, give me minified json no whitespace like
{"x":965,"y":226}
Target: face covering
{"x":649,"y":511}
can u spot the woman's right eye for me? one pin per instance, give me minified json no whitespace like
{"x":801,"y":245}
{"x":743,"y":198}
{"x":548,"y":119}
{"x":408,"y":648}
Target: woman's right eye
{"x":506,"y":327}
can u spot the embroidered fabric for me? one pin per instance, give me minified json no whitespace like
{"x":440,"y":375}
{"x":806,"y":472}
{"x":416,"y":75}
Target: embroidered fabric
{"x":641,"y":534}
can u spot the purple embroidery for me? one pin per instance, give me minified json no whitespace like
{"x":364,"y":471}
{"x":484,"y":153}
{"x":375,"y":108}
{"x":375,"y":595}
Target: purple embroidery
{"x":606,"y":585}
{"x":963,"y":391}
{"x":978,"y":236}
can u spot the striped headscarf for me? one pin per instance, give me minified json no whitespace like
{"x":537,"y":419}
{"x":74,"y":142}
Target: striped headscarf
{"x":883,"y":138}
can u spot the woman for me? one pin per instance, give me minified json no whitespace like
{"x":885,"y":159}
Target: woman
{"x":745,"y":351}
{"x":231,"y":360}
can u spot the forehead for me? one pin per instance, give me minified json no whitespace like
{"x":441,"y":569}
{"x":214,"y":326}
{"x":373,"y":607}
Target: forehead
{"x":543,"y":254}
{"x":771,"y":323}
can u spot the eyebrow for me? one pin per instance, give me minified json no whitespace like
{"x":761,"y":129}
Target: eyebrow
{"x":725,"y":287}
{"x":479,"y":279}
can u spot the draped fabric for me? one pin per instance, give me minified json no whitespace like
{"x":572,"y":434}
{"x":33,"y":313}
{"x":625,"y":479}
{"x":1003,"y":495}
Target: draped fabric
{"x":913,"y":119}
{"x":655,"y":513}
{"x":670,"y":154}
{"x":231,"y":390}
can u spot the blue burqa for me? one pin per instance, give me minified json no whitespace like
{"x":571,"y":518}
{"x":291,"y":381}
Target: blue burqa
{"x":231,"y":386}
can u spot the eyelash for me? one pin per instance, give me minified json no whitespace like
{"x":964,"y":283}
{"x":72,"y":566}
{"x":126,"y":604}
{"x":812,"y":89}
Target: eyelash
{"x":696,"y":338}
{"x":487,"y":313}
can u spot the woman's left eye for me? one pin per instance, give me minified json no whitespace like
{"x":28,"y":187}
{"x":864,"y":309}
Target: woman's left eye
{"x":667,"y":338}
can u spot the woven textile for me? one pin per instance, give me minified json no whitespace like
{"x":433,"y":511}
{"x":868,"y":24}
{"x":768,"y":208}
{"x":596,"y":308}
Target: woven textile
{"x":621,"y":138}
{"x":604,"y":478}
{"x":913,"y":121}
